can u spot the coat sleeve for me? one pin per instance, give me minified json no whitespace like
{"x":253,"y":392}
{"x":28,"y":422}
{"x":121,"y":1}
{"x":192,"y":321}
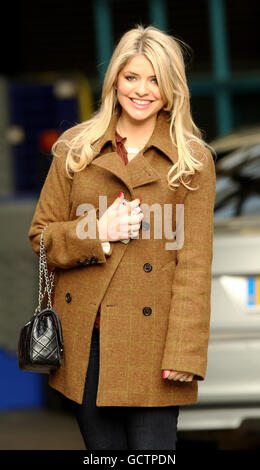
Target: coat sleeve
{"x":188,"y":331}
{"x":64,"y":248}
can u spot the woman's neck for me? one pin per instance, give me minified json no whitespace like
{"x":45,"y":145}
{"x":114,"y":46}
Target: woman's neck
{"x":137,"y":132}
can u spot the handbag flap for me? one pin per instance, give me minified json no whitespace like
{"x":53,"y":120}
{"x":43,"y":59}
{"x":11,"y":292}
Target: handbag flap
{"x":50,"y":312}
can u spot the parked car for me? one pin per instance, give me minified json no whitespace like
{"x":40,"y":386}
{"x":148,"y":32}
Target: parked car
{"x":231,"y":392}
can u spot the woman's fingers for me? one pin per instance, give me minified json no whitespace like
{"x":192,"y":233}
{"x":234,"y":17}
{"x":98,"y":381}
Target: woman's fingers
{"x":175,"y":375}
{"x":134,"y":227}
{"x":130,"y":222}
{"x":118,"y":222}
{"x":129,"y":207}
{"x":182,"y":376}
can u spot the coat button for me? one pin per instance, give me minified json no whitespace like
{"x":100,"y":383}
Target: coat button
{"x":80,"y":262}
{"x":86,"y":262}
{"x":93,"y":260}
{"x":68,"y":297}
{"x":147,"y":267}
{"x":147,"y":310}
{"x":145,"y":225}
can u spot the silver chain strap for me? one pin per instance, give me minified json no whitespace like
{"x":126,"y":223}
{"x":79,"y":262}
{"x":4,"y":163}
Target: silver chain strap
{"x":49,"y":279}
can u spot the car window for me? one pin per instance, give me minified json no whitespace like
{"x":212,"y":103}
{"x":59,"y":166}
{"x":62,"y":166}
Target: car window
{"x":238,"y":183}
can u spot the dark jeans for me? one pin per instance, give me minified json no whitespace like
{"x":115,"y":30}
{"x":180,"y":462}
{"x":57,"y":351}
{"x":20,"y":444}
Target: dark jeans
{"x":120,"y":427}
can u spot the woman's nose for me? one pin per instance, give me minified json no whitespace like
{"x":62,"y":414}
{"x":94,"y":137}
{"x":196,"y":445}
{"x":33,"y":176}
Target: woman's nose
{"x":141,"y":88}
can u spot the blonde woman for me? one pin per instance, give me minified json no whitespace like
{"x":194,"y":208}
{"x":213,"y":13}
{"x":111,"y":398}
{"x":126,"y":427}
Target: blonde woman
{"x":135,"y":315}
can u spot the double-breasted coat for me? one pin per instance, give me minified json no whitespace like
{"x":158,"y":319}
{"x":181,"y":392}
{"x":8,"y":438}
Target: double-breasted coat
{"x":155,"y":302}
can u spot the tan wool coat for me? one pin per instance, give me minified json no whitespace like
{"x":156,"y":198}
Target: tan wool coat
{"x":155,"y":302}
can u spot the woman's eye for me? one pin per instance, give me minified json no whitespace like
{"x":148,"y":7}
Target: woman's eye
{"x":129,"y":77}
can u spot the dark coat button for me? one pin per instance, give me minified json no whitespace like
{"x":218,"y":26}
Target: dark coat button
{"x":147,"y":267}
{"x":145,"y":225}
{"x":93,"y":260}
{"x":80,"y":262}
{"x":147,"y":310}
{"x":86,"y":262}
{"x":68,"y":297}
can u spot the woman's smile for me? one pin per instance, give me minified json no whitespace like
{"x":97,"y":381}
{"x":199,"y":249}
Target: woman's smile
{"x":140,"y":104}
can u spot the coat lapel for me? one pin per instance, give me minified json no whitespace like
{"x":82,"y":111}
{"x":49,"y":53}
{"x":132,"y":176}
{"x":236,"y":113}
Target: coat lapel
{"x":112,"y":162}
{"x":138,"y":171}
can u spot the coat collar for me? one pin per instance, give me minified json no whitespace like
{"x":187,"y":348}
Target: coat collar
{"x":138,"y":171}
{"x":160,"y":137}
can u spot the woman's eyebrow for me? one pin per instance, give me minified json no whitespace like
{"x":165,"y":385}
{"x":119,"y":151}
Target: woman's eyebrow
{"x":129,"y":71}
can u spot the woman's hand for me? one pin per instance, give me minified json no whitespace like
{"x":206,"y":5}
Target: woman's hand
{"x":182,"y":376}
{"x":117,"y":223}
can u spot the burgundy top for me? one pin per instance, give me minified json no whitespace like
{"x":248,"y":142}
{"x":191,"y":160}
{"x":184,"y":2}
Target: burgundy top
{"x":121,"y":150}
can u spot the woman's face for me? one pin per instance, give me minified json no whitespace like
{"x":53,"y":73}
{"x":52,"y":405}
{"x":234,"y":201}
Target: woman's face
{"x":137,"y":89}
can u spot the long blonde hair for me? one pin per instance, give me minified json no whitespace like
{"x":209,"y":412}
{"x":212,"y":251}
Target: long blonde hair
{"x":165,"y":53}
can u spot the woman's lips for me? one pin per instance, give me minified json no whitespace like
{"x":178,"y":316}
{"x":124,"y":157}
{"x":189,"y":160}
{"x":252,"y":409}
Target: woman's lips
{"x":140,"y":106}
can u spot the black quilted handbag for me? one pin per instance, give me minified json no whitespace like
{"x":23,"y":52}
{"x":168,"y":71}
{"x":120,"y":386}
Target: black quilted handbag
{"x":40,"y":343}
